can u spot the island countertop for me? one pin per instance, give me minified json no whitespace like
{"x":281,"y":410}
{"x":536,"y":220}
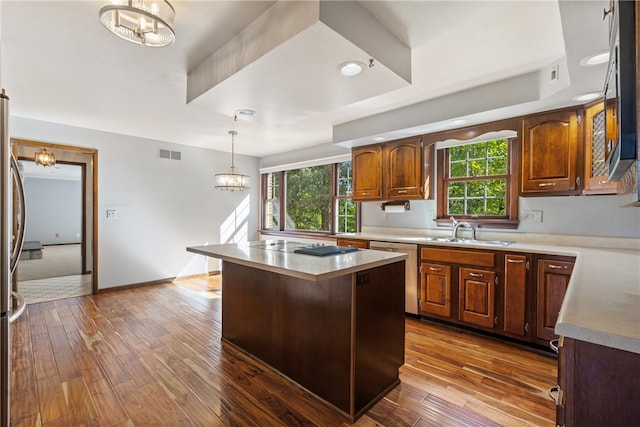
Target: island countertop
{"x":277,"y":256}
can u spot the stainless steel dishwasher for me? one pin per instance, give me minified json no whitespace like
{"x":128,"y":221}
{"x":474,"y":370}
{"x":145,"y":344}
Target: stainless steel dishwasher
{"x":411,"y":270}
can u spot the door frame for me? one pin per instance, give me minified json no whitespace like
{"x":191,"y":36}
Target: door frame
{"x":92,"y":159}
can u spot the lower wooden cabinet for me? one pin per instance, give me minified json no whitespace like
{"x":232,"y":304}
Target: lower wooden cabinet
{"x":512,"y":294}
{"x":477,"y":296}
{"x":552,"y":281}
{"x":362,"y":244}
{"x":516,"y":307}
{"x":435,"y":289}
{"x":596,"y":385}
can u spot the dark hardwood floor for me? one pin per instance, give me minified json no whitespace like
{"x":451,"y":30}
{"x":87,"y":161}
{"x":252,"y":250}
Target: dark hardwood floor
{"x":153,"y":356}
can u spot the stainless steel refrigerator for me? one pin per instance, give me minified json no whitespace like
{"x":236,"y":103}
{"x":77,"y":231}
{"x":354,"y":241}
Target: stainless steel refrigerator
{"x":11,"y":238}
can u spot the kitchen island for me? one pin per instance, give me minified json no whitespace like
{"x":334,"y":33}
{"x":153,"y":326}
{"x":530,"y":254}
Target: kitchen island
{"x":333,"y":324}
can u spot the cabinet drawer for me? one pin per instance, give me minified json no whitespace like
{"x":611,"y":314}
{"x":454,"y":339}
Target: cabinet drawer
{"x":362,"y":244}
{"x":458,"y":256}
{"x":557,"y":267}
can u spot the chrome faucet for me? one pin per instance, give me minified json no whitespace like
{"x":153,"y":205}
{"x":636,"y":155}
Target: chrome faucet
{"x":463,"y":224}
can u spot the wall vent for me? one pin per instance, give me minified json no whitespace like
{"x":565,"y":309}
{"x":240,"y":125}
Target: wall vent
{"x":169,"y":155}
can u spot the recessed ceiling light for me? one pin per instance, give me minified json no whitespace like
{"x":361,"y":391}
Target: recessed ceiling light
{"x":245,"y":112}
{"x":351,"y":68}
{"x":595,"y":59}
{"x":587,"y":97}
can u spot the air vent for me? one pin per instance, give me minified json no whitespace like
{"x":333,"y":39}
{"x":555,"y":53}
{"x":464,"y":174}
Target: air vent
{"x":169,"y":155}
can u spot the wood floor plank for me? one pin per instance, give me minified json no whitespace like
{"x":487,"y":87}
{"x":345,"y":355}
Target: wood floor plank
{"x":152,"y":356}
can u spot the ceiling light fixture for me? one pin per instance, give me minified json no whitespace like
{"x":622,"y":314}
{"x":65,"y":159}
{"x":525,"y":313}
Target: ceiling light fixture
{"x":595,"y":59}
{"x":44,"y":158}
{"x":245,"y":112}
{"x":351,"y":68}
{"x":143,"y":22}
{"x":232,"y":181}
{"x":587,"y":97}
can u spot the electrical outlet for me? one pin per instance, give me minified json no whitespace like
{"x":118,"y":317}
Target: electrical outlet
{"x":534,"y":217}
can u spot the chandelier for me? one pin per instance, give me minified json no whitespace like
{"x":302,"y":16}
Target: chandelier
{"x":44,"y":158}
{"x":232,"y":181}
{"x":144,"y":22}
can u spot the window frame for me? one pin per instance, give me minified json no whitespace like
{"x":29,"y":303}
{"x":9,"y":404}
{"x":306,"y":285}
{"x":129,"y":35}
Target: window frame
{"x":282,"y":196}
{"x":510,"y":219}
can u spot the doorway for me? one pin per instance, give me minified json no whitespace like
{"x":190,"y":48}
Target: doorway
{"x":58,"y":260}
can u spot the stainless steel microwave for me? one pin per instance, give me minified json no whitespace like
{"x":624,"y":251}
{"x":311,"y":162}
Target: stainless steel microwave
{"x":620,"y":91}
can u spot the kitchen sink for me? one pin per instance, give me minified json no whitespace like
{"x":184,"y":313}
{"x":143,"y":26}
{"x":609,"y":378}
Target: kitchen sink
{"x":469,"y":241}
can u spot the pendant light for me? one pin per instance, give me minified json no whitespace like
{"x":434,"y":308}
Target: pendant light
{"x":232,"y":181}
{"x":44,"y":158}
{"x":143,"y":22}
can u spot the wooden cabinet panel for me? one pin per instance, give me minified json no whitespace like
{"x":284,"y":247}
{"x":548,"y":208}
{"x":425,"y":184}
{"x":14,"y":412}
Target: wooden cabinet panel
{"x":459,"y":256}
{"x":362,"y":244}
{"x":403,"y":169}
{"x":595,"y":167}
{"x":552,"y":281}
{"x":435,"y":289}
{"x":550,"y":153}
{"x":394,"y":170}
{"x":367,"y":172}
{"x":477,"y":297}
{"x":598,"y":385}
{"x":515,"y":294}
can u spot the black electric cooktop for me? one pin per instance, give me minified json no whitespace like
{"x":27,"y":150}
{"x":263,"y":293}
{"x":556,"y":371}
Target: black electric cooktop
{"x":324,"y":250}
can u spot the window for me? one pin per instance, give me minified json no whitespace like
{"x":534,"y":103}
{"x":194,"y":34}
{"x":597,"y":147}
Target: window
{"x":477,"y":183}
{"x":315,"y":199}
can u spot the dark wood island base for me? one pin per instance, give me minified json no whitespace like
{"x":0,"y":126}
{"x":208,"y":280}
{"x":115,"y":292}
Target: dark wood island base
{"x":342,"y":338}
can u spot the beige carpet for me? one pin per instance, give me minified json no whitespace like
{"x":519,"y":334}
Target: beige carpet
{"x":56,"y":261}
{"x":55,"y":288}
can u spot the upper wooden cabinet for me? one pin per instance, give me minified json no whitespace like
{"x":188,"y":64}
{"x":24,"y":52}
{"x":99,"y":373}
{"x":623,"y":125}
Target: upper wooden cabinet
{"x":393,"y":170}
{"x":595,"y":167}
{"x":367,"y":172}
{"x":551,"y":154}
{"x":402,"y":161}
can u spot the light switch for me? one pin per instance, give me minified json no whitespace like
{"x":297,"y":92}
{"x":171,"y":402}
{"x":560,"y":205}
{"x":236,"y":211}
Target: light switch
{"x":112,"y":214}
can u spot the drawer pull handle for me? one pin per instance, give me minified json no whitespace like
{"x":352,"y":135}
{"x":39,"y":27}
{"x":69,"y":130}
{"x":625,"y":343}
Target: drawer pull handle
{"x":602,"y":182}
{"x":515,"y":261}
{"x":365,"y":193}
{"x":476,"y":274}
{"x":435,"y":269}
{"x":547,"y":184}
{"x":558,"y":267}
{"x":402,"y":191}
{"x":554,"y":345}
{"x":553,"y":393}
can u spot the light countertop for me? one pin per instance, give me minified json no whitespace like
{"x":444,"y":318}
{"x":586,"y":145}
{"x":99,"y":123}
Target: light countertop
{"x":277,"y":256}
{"x":602,"y":303}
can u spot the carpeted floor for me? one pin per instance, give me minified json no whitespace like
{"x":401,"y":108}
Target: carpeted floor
{"x":55,"y":288}
{"x":56,"y":261}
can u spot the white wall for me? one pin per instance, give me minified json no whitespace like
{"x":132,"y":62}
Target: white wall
{"x":162,"y":206}
{"x":53,"y":211}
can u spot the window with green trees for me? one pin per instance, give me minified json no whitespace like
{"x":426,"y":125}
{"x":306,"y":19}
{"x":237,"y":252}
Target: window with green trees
{"x":476,"y":179}
{"x":309,"y":199}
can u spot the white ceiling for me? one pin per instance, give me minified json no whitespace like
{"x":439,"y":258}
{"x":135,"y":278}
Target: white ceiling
{"x":479,"y":60}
